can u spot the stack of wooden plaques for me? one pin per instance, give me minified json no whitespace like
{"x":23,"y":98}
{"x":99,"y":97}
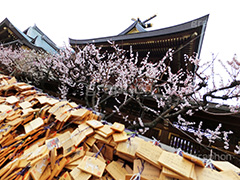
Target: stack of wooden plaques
{"x":42,"y":137}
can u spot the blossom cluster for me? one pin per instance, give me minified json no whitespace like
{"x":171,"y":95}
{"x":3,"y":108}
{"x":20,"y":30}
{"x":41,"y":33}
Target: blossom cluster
{"x":99,"y":76}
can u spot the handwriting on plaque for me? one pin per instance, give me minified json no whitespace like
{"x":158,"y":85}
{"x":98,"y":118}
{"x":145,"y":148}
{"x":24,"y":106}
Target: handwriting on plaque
{"x":116,"y":170}
{"x":53,"y":143}
{"x":225,"y":165}
{"x":118,"y":127}
{"x":208,"y":174}
{"x":33,"y":125}
{"x":38,"y":168}
{"x":176,"y":163}
{"x":169,"y":173}
{"x":11,"y":99}
{"x":120,"y":136}
{"x":230,"y":174}
{"x":92,"y":165}
{"x":129,"y":147}
{"x":65,"y":176}
{"x":77,"y":174}
{"x":147,"y":170}
{"x":149,"y":152}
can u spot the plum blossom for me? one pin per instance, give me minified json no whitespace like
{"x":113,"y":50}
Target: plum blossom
{"x":99,"y":77}
{"x":213,"y":135}
{"x":225,"y":138}
{"x":238,"y":149}
{"x":199,"y":132}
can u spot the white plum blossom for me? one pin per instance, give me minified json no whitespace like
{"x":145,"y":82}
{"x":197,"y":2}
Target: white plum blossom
{"x":96,"y":77}
{"x":238,"y":149}
{"x":213,"y":135}
{"x":199,"y":132}
{"x":225,"y":138}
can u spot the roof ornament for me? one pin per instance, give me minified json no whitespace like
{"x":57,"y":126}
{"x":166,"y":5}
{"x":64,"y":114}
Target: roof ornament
{"x":143,"y":23}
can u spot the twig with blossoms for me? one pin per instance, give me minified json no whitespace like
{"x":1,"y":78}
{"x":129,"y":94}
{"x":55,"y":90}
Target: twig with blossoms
{"x":99,"y":77}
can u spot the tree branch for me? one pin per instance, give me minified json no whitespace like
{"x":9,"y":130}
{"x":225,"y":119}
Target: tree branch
{"x":155,"y":121}
{"x":210,"y":93}
{"x":120,"y":107}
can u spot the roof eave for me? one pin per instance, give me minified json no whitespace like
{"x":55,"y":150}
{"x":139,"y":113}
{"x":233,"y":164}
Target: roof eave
{"x":19,"y":35}
{"x":159,"y":32}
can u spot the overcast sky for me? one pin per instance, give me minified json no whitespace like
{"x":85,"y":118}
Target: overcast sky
{"x":61,"y":20}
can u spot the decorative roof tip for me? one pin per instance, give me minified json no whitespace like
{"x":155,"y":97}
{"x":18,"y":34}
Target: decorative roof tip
{"x":138,"y":26}
{"x":150,"y":18}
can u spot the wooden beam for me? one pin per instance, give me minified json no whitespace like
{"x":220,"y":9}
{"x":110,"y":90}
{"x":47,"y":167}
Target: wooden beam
{"x":7,"y":39}
{"x":2,"y":31}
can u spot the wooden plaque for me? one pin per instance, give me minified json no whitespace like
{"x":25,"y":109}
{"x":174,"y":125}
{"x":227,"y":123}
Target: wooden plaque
{"x":92,"y":166}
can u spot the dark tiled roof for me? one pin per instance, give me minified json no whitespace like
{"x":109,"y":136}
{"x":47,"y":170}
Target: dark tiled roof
{"x":181,"y":28}
{"x":10,"y":35}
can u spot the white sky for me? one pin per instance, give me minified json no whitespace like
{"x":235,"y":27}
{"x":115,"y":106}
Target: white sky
{"x":61,"y":20}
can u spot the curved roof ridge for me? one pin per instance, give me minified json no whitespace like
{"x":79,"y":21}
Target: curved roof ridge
{"x":163,"y":31}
